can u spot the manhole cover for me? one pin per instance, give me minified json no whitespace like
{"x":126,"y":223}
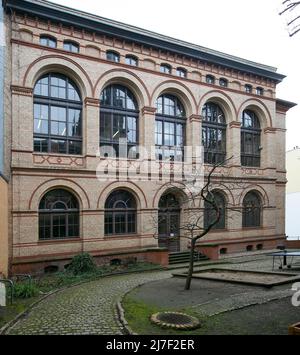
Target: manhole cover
{"x":175,"y":320}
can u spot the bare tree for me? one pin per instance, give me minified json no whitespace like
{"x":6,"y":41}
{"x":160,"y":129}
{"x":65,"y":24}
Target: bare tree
{"x":195,"y":227}
{"x":293,"y":17}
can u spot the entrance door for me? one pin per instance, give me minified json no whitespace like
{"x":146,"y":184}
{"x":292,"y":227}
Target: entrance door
{"x":169,"y":223}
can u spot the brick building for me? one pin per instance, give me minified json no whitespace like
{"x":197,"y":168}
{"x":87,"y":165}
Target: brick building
{"x":76,"y":84}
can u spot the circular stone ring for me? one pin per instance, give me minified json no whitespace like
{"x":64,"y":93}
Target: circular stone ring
{"x":174,"y":320}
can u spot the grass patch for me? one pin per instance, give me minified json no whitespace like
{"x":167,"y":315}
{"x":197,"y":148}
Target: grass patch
{"x":138,"y":315}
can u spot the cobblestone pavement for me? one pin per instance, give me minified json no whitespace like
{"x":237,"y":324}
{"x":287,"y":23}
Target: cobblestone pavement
{"x":88,"y":309}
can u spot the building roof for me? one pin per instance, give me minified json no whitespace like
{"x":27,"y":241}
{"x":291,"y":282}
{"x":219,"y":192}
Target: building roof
{"x":69,"y":16}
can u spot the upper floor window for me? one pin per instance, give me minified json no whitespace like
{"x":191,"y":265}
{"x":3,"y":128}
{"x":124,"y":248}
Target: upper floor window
{"x":71,"y":46}
{"x":131,"y":60}
{"x":210,"y":214}
{"x":119,"y":120}
{"x":166,"y":68}
{"x":58,"y":215}
{"x":250,"y":140}
{"x":213,"y":133}
{"x":48,"y":41}
{"x":113,"y":56}
{"x":57,"y":116}
{"x":252,"y":210}
{"x":170,"y":128}
{"x":120,"y":214}
{"x":182,"y":73}
{"x":248,"y":89}
{"x":223,"y":82}
{"x":259,"y":91}
{"x":210,"y":79}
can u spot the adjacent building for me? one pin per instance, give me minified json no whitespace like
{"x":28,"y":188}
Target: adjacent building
{"x":84,"y":92}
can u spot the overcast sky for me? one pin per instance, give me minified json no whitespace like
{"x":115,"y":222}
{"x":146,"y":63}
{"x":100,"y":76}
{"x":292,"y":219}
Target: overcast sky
{"x":249,"y":29}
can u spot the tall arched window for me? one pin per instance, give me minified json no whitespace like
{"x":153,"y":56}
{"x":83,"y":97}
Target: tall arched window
{"x":250,"y":140}
{"x":210,"y":213}
{"x":252,"y":210}
{"x":120,"y":213}
{"x":58,"y":215}
{"x":213,"y":134}
{"x":57,"y":116}
{"x":119,"y":120}
{"x":170,"y":128}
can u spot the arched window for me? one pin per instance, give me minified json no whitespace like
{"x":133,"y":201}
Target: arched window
{"x":252,"y":210}
{"x":48,"y":41}
{"x":71,"y":46}
{"x":248,"y":89}
{"x":210,"y":79}
{"x":120,"y":213}
{"x":259,"y":91}
{"x":119,"y":120}
{"x":58,"y":216}
{"x":223,"y":82}
{"x":181,"y":72}
{"x":170,"y":128}
{"x":57,"y":116}
{"x":210,"y":213}
{"x":250,"y":140}
{"x":213,"y":134}
{"x":132,"y":60}
{"x":113,"y":56}
{"x":166,"y":69}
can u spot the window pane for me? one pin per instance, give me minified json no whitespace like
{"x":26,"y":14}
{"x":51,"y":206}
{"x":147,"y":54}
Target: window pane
{"x":75,"y":148}
{"x":74,"y":123}
{"x":58,"y":146}
{"x":40,"y":145}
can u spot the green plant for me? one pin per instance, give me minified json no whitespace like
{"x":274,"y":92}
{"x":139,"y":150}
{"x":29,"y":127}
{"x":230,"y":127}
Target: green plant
{"x":25,"y":290}
{"x":82,"y":264}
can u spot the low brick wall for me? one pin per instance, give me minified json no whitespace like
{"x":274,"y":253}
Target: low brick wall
{"x":30,"y":266}
{"x":293,"y":244}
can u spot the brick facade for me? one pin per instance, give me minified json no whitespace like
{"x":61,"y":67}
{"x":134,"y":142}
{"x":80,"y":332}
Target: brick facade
{"x":34,"y":174}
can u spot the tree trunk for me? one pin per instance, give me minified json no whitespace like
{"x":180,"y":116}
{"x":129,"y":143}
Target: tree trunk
{"x":191,"y":267}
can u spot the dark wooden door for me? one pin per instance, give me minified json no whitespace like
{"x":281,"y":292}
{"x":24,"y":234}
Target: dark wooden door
{"x":169,"y":230}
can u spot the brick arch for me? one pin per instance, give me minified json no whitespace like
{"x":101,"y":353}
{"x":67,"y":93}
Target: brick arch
{"x":178,"y":89}
{"x":260,"y":109}
{"x":222,"y":99}
{"x":52,"y":184}
{"x":62,"y":65}
{"x":127,"y":78}
{"x":177,"y":189}
{"x":130,"y":187}
{"x":259,"y":190}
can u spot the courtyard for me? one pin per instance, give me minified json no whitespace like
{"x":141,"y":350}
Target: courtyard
{"x":221,"y":307}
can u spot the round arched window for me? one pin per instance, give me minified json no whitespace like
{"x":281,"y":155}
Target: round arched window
{"x":119,"y":121}
{"x":210,"y":213}
{"x":252,"y":210}
{"x":120,"y":213}
{"x":57,"y":116}
{"x":58,"y":215}
{"x":250,"y":140}
{"x":213,"y":134}
{"x":170,"y":128}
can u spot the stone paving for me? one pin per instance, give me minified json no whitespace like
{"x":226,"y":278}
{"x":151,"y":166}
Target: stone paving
{"x":91,"y":308}
{"x":86,"y":309}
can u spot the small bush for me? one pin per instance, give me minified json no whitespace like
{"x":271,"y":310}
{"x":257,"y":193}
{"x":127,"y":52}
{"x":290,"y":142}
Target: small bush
{"x":25,"y":290}
{"x":82,"y":264}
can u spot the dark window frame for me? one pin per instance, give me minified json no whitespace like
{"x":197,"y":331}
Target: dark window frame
{"x":248,"y":89}
{"x":181,"y":73}
{"x":214,"y":155}
{"x":113,"y":213}
{"x":252,"y":210}
{"x":251,"y":137}
{"x":68,"y":213}
{"x":132,"y":60}
{"x":46,"y":141}
{"x":209,"y":212}
{"x":223,"y":82}
{"x":71,"y":45}
{"x":260,"y":91}
{"x":114,"y":111}
{"x":166,"y":68}
{"x":113,"y":56}
{"x":49,"y":39}
{"x":176,"y":120}
{"x":210,"y":79}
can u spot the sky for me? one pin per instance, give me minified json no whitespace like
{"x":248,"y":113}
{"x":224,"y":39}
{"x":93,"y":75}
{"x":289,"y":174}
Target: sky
{"x":249,"y":29}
